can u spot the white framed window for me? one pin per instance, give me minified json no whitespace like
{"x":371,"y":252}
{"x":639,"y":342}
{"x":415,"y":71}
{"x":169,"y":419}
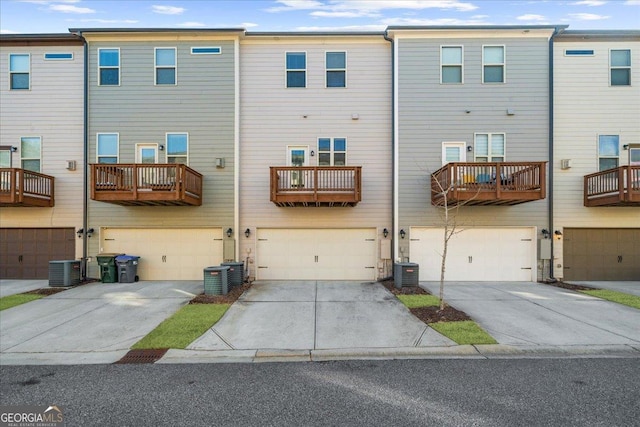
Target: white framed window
{"x":206,"y":50}
{"x":620,"y":67}
{"x":5,"y":156}
{"x":107,"y":145}
{"x":634,"y":154}
{"x":493,"y":64}
{"x":177,"y":148}
{"x":336,"y":69}
{"x":147,"y":153}
{"x":454,"y":152}
{"x":58,"y":56}
{"x":109,"y":66}
{"x":451,"y":64}
{"x":19,"y":71}
{"x":165,"y":66}
{"x":31,"y":153}
{"x":489,"y":147}
{"x":296,"y":69}
{"x":608,"y":151}
{"x":578,"y":52}
{"x":332,"y":151}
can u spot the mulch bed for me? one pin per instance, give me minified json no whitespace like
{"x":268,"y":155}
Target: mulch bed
{"x":231,"y":297}
{"x":427,"y":314}
{"x":560,"y":284}
{"x":46,"y":291}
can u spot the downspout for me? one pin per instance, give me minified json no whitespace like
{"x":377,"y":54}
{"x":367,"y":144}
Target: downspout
{"x":551,"y":157}
{"x":394,"y":169}
{"x":85,"y":188}
{"x":236,"y":151}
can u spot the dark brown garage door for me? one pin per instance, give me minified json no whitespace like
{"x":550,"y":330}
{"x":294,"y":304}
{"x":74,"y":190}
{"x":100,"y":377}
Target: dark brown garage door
{"x":601,"y":253}
{"x":25,"y":252}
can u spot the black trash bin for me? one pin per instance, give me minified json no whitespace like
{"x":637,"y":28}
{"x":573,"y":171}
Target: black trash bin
{"x":216,"y":281}
{"x":127,"y":268}
{"x":235,"y":275}
{"x":107,"y":264}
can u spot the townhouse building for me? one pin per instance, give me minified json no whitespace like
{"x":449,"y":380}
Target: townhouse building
{"x":472,"y":123}
{"x":315,"y":155}
{"x":596,"y":184}
{"x":41,"y":152}
{"x":162,"y":136}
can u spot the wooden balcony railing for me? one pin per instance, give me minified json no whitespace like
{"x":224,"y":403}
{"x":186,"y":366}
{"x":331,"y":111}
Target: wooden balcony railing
{"x":499,"y":183}
{"x":316,"y":185}
{"x":21,"y":187}
{"x":146,"y":184}
{"x":613,"y":187}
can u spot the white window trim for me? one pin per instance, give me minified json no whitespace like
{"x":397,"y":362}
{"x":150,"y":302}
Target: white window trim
{"x":598,"y":156}
{"x":463,"y":150}
{"x":117,"y":134}
{"x":57,"y":53}
{"x":626,"y":67}
{"x":305,"y":148}
{"x":119,"y":67}
{"x":578,"y":55}
{"x":39,"y":158}
{"x":166,"y":146}
{"x":142,"y":145}
{"x":461,"y":65}
{"x":504,"y":64}
{"x":332,"y":150}
{"x":206,"y":53}
{"x":156,"y":66}
{"x":489,"y":156}
{"x":12,"y":72}
{"x":286,"y":70}
{"x":326,"y":69}
{"x":633,"y":147}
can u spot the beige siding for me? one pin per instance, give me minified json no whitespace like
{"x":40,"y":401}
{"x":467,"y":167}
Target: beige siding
{"x":273,"y":117}
{"x":53,"y":110}
{"x":585,"y":106}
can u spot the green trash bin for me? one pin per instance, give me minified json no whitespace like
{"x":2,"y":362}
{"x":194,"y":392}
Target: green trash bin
{"x":107,"y":264}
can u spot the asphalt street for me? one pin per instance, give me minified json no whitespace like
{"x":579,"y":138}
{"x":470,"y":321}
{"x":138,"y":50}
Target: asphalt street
{"x":509,"y":392}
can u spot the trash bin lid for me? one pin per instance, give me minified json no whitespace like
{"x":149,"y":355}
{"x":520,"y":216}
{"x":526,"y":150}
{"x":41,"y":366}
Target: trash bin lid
{"x":127,"y":258}
{"x":108,"y":255}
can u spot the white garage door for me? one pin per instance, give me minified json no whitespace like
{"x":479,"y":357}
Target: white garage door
{"x":167,"y":253}
{"x":476,"y":254}
{"x":316,"y":254}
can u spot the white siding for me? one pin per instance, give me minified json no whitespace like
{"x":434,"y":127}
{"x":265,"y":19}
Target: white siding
{"x":52,"y":109}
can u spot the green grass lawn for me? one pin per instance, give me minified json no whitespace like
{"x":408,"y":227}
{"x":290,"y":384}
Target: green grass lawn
{"x":619,"y":297}
{"x":181,"y":329}
{"x":13,"y":300}
{"x":464,"y":332}
{"x":416,"y":301}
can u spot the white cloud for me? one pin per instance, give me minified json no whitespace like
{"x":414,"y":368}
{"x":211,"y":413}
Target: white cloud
{"x":588,"y":16}
{"x":48,"y":1}
{"x":323,"y":14}
{"x":192,"y":24}
{"x":346,"y":28}
{"x":106,"y":21}
{"x":3,"y":31}
{"x":168,"y":10}
{"x":531,"y":17}
{"x":67,"y":8}
{"x":632,"y":3}
{"x":434,"y":22}
{"x":367,"y":8}
{"x":248,"y":25}
{"x":589,"y":3}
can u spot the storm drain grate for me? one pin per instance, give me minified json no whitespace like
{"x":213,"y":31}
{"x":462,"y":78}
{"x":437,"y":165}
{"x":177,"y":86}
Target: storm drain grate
{"x":143,"y":356}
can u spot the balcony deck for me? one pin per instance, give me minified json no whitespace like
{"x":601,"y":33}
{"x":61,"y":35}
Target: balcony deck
{"x":488,"y":184}
{"x":316,"y":185}
{"x":613,"y":187}
{"x":24,"y":188}
{"x":146,"y":184}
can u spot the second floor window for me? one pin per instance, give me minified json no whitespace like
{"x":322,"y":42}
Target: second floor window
{"x":332,"y":151}
{"x":109,"y":67}
{"x":107,"y":148}
{"x":30,"y":149}
{"x":493,"y":64}
{"x":166,"y":66}
{"x":19,"y":70}
{"x":296,"y":69}
{"x":489,"y":147}
{"x":620,"y":67}
{"x":177,"y":148}
{"x":451,"y":63}
{"x":336,"y":63}
{"x":608,"y":151}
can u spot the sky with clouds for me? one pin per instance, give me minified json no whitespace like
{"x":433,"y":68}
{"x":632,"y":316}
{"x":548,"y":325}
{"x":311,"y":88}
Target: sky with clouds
{"x":57,"y":16}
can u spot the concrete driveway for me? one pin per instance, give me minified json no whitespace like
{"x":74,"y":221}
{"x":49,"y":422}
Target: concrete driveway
{"x":630,"y":287}
{"x":12,"y":287}
{"x":93,"y":323}
{"x":533,"y":314}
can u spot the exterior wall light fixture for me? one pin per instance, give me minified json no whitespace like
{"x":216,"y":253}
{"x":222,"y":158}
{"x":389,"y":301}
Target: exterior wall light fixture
{"x":385,"y":232}
{"x":229,"y":232}
{"x":247,"y":233}
{"x":402,"y":234}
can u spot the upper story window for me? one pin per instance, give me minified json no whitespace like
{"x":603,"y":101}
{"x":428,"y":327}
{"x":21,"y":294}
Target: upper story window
{"x":489,"y":147}
{"x":493,"y":64}
{"x":19,"y":70}
{"x":177,"y":148}
{"x":109,"y":67}
{"x":620,"y":60}
{"x":30,"y":153}
{"x":165,"y":66}
{"x":332,"y":151}
{"x":608,"y":151}
{"x":296,"y":69}
{"x":451,"y":64}
{"x":5,"y":156}
{"x":107,"y":148}
{"x":58,"y":56}
{"x":336,"y":64}
{"x":206,"y":50}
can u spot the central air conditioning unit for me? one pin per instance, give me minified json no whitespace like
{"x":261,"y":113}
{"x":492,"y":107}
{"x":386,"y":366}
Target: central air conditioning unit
{"x":64,"y":273}
{"x":216,"y":281}
{"x":405,"y":274}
